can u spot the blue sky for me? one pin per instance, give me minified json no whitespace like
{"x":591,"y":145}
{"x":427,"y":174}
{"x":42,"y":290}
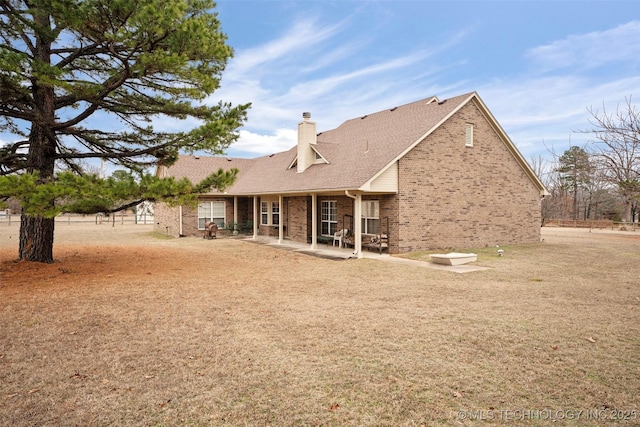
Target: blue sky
{"x":537,"y":65}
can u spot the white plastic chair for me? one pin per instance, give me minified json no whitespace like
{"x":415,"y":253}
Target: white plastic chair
{"x":338,"y":236}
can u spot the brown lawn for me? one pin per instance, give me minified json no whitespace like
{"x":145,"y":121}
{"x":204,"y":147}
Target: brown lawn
{"x":129,"y":328}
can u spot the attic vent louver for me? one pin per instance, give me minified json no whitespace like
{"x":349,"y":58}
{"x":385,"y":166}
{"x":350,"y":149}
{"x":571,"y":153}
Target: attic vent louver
{"x":394,"y":109}
{"x":363,"y":117}
{"x":442,"y":102}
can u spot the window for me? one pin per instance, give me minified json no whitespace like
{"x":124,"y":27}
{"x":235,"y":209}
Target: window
{"x":275,"y":213}
{"x":269,"y":212}
{"x":264,"y":213}
{"x":370,"y":216}
{"x":468,"y":135}
{"x":328,"y":217}
{"x":211,"y":211}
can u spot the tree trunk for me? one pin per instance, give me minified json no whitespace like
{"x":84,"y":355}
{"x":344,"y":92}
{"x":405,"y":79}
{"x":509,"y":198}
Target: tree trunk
{"x":36,"y":232}
{"x":36,"y":238}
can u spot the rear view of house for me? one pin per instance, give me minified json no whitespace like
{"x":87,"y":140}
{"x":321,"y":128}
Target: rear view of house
{"x":429,"y":174}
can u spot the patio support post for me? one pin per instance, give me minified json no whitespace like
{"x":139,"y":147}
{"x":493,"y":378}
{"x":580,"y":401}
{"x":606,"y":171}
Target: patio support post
{"x":255,"y":217}
{"x":235,"y":213}
{"x":357,"y":223}
{"x":357,"y":219}
{"x":314,"y":221}
{"x":281,"y":222}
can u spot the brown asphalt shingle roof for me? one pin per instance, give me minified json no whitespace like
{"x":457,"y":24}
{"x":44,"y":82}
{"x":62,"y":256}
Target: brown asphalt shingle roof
{"x":356,"y":151}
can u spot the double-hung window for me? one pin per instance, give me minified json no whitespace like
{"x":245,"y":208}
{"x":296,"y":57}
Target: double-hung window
{"x":211,"y":211}
{"x":275,"y":213}
{"x":269,"y":212}
{"x":370,"y":216}
{"x":264,"y":213}
{"x":328,"y":217}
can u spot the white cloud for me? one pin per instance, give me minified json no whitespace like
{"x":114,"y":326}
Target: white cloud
{"x":260,"y":144}
{"x":302,"y":71}
{"x":552,"y":110}
{"x":591,"y":50}
{"x":310,"y":68}
{"x":304,"y":34}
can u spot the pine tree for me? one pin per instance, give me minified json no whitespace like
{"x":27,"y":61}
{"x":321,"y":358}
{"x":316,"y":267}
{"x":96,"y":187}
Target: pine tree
{"x":66,"y":66}
{"x":575,"y":172}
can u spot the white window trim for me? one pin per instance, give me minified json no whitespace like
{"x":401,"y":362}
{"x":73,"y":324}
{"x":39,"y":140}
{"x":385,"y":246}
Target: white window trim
{"x":208,"y":205}
{"x":264,"y":211}
{"x":269,"y":208}
{"x":366,"y":204}
{"x":329,"y":221}
{"x":275,"y":211}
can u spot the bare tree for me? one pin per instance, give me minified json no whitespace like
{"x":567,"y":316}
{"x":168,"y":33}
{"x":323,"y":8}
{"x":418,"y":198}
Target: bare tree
{"x":555,"y":205}
{"x":545,"y":171}
{"x":618,"y":144}
{"x":596,"y":193}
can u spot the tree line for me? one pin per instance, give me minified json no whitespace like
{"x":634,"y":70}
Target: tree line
{"x":600,"y":180}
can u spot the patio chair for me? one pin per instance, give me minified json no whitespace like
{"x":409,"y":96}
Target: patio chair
{"x":339,"y":237}
{"x":379,"y":242}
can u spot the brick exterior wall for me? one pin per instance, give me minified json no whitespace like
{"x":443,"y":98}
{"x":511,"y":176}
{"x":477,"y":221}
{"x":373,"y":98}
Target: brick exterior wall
{"x":167,"y":218}
{"x":297,"y":218}
{"x":389,"y":220}
{"x":452,"y":196}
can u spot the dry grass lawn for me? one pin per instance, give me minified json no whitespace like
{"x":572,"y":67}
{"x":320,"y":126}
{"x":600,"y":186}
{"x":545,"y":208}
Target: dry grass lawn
{"x":129,"y":328}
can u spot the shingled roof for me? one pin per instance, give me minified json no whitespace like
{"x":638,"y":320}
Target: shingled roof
{"x":356,"y":152}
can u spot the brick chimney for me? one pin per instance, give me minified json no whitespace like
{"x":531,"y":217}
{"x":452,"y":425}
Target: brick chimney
{"x":306,"y":138}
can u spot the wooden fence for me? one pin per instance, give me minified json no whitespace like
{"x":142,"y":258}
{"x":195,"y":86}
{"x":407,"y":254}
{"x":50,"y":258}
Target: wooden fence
{"x":601,"y":224}
{"x":70,"y":219}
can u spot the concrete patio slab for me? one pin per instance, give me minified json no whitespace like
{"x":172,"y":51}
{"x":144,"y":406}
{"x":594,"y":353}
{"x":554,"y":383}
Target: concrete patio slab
{"x":338,"y":254}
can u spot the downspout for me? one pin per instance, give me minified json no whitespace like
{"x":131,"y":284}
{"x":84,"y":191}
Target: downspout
{"x":357,"y":220}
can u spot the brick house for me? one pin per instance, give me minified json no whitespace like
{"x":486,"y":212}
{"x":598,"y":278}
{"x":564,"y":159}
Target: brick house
{"x":429,"y":174}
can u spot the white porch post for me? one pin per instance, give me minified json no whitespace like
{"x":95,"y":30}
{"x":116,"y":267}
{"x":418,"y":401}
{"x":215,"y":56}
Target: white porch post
{"x":235,"y":213}
{"x":357,"y":218}
{"x":314,"y":221}
{"x":281,"y":222}
{"x":255,"y":217}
